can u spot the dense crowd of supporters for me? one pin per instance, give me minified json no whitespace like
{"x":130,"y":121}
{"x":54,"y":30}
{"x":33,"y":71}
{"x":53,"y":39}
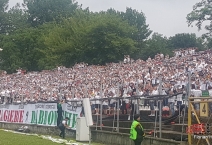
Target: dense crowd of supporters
{"x":124,"y":79}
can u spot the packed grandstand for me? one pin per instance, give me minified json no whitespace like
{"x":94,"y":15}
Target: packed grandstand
{"x":122,"y":79}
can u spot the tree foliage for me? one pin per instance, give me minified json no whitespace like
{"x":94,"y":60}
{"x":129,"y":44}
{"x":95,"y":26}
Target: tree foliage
{"x":138,"y":20}
{"x":20,"y":50}
{"x":13,"y":19}
{"x":156,"y":44}
{"x":209,"y":44}
{"x":94,"y":39}
{"x":3,"y":22}
{"x":17,"y":19}
{"x":185,"y":40}
{"x":47,"y":33}
{"x":202,"y":12}
{"x":43,"y":11}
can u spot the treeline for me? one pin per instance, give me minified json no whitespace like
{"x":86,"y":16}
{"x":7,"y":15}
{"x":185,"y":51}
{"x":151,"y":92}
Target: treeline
{"x":43,"y":34}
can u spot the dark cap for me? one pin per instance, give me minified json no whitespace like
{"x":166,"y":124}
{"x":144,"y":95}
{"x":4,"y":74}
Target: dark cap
{"x":136,"y":117}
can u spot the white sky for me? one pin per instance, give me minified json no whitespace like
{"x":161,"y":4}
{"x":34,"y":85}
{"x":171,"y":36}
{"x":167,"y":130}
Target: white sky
{"x":167,"y":17}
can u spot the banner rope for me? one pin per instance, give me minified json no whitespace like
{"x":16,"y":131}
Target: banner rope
{"x":56,"y":140}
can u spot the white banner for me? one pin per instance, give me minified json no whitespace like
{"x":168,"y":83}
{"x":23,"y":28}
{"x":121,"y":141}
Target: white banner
{"x":39,"y":113}
{"x":12,"y":113}
{"x":72,"y":112}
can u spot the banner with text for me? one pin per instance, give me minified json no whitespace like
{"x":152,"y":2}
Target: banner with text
{"x":72,"y":112}
{"x":40,"y":114}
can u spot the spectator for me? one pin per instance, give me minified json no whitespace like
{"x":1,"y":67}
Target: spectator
{"x":137,"y":77}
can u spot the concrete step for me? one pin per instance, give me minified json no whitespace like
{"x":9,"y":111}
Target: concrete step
{"x":114,"y":129}
{"x":174,"y":135}
{"x":178,"y":127}
{"x":127,"y":124}
{"x":166,"y":127}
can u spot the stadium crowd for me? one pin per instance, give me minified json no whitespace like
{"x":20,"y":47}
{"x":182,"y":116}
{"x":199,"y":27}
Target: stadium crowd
{"x":123,"y":79}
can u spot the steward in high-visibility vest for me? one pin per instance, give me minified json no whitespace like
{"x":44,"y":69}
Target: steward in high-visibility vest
{"x":137,"y":132}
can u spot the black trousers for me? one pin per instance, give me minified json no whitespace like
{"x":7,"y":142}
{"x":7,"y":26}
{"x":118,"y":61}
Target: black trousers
{"x":133,"y":109}
{"x":62,"y":133}
{"x":123,"y":107}
{"x":137,"y":142}
{"x":59,"y":119}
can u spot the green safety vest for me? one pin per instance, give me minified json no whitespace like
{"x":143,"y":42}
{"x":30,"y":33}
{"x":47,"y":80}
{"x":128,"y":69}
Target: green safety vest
{"x":133,"y":132}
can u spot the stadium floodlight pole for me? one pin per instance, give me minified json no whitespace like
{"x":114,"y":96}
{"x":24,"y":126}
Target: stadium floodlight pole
{"x":160,"y":107}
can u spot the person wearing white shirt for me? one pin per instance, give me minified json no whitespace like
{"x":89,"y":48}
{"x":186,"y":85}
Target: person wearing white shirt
{"x":196,"y":93}
{"x":112,"y":102}
{"x":62,"y":127}
{"x":134,"y":105}
{"x":179,"y":99}
{"x":202,"y":85}
{"x":92,"y":103}
{"x":97,"y":103}
{"x":140,"y":93}
{"x":151,"y":102}
{"x":126,"y":103}
{"x":171,"y":102}
{"x":105,"y":104}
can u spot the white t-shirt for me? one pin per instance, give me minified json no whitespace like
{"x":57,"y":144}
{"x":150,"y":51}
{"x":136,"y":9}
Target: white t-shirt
{"x":153,"y":81}
{"x":126,"y":99}
{"x":97,"y":101}
{"x":64,"y":122}
{"x":105,"y":102}
{"x":112,"y":100}
{"x":196,"y":93}
{"x":172,"y":99}
{"x":203,"y":86}
{"x":155,"y":92}
{"x":180,"y":97}
{"x":79,"y":101}
{"x":92,"y":102}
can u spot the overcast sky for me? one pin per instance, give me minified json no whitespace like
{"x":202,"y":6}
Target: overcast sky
{"x":167,"y":17}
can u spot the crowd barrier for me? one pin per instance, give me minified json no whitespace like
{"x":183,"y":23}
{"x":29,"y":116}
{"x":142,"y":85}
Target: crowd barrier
{"x":45,"y":113}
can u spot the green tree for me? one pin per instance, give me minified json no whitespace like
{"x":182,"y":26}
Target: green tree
{"x":3,"y":21}
{"x":94,"y":39}
{"x":138,"y":20}
{"x":10,"y":55}
{"x":202,"y":12}
{"x":209,"y":44}
{"x":16,"y":18}
{"x":156,"y":44}
{"x":4,"y":4}
{"x":185,"y":40}
{"x":108,"y":40}
{"x":64,"y":42}
{"x":20,"y":50}
{"x":42,"y":11}
{"x":13,"y":19}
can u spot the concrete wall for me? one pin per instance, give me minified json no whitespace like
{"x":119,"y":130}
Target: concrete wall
{"x":38,"y":129}
{"x":105,"y":137}
{"x":112,"y":138}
